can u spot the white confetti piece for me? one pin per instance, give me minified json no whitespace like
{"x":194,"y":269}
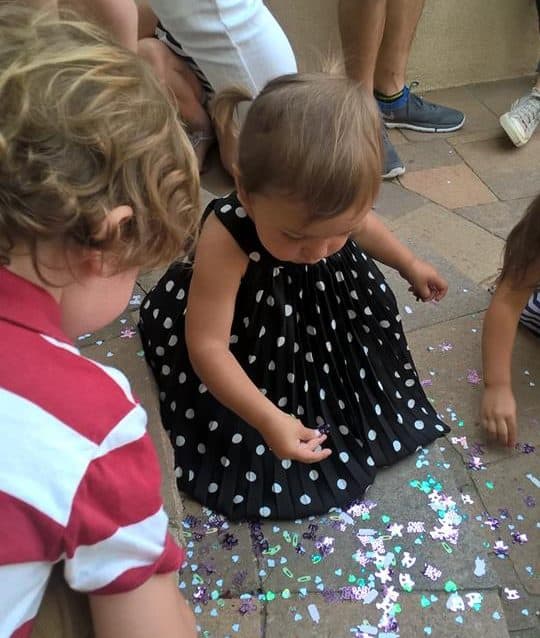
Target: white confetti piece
{"x":314,"y":613}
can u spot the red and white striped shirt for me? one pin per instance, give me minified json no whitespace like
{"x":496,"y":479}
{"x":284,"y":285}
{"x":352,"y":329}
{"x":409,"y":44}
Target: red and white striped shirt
{"x":79,"y":477}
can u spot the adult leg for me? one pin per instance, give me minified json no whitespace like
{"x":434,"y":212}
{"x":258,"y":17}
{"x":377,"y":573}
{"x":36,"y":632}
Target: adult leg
{"x":362,"y":26}
{"x":233,"y":42}
{"x":401,"y":20}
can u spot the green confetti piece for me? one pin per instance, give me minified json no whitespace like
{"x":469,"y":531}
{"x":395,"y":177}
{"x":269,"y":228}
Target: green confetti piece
{"x":450,"y":586}
{"x":425,"y":602}
{"x":490,"y":485}
{"x":197,"y":580}
{"x":287,"y":572}
{"x":287,"y":536}
{"x":303,"y":579}
{"x":316,"y":558}
{"x":286,"y":593}
{"x":272,"y":550}
{"x":270,"y":595}
{"x":385,"y":518}
{"x":351,"y":579}
{"x":461,"y":424}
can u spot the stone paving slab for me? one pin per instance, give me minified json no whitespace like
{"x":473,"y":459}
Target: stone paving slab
{"x":396,"y":521}
{"x":421,"y":614}
{"x":223,"y":619}
{"x":434,"y":153}
{"x":509,"y":172}
{"x":471,"y":250}
{"x":448,"y":357}
{"x":450,"y":186}
{"x":220,"y":558}
{"x":514,"y":485}
{"x":463,"y":297}
{"x":498,"y":96}
{"x":394,"y":201}
{"x":497,"y":218}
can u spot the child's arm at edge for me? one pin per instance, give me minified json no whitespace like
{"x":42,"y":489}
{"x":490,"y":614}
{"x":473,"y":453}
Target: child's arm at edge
{"x":381,"y":244}
{"x":218,"y":268}
{"x":498,"y":410}
{"x":156,"y":608}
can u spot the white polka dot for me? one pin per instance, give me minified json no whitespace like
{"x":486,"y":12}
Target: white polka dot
{"x":370,"y":461}
{"x":288,"y":310}
{"x":202,"y":388}
{"x":372,"y":435}
{"x":341,"y":484}
{"x":276,"y":488}
{"x":286,"y":464}
{"x":225,"y":461}
{"x":160,"y":351}
{"x":326,"y":368}
{"x":399,"y":418}
{"x":320,"y":285}
{"x":165,"y":370}
{"x":305,"y":499}
{"x":282,"y":402}
{"x":280,"y":341}
{"x":255,"y":256}
{"x":240,"y":212}
{"x":259,"y":450}
{"x":439,"y":427}
{"x":252,"y":358}
{"x":311,"y":330}
{"x":233,"y":339}
{"x":419,"y":425}
{"x":173,"y":340}
{"x":173,"y":406}
{"x":351,"y":314}
{"x":411,"y":403}
{"x":344,"y":457}
{"x":367,"y":311}
{"x":237,"y":499}
{"x":328,"y":346}
{"x":201,"y":448}
{"x":424,"y":410}
{"x":384,"y":323}
{"x":182,"y":377}
{"x":178,"y":471}
{"x":339,"y":276}
{"x":354,"y":295}
{"x":264,"y":512}
{"x":169,"y":285}
{"x":366,"y":329}
{"x":322,"y":394}
{"x":147,"y":304}
{"x":181,"y":294}
{"x":309,"y":357}
{"x":409,"y":383}
{"x":259,"y":295}
{"x":270,"y":300}
{"x":155,"y":313}
{"x":378,"y":409}
{"x":236,"y":438}
{"x":272,"y":365}
{"x":407,"y":366}
{"x":226,"y":208}
{"x":313,"y":475}
{"x":382,"y":287}
{"x":397,"y":394}
{"x":290,"y":377}
{"x":251,"y":476}
{"x":191,"y":475}
{"x":190,"y":413}
{"x":396,"y":445}
{"x":262,"y":332}
{"x":300,"y":410}
{"x":343,"y":429}
{"x":212,"y":487}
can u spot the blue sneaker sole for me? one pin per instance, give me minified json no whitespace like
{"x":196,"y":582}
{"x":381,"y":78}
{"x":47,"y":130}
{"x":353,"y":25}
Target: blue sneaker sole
{"x":423,"y":127}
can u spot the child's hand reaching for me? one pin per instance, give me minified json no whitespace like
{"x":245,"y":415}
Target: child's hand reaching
{"x":426,"y":283}
{"x":289,"y":439}
{"x":498,"y":414}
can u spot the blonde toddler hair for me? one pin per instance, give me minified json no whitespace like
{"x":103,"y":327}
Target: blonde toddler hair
{"x":84,"y":128}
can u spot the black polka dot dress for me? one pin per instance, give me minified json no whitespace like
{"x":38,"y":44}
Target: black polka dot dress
{"x":325,"y":343}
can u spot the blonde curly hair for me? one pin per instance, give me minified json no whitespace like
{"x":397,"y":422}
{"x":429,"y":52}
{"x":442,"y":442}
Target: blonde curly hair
{"x":85,"y":127}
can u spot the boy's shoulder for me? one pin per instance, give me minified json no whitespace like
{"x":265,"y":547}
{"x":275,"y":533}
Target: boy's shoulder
{"x":50,"y":377}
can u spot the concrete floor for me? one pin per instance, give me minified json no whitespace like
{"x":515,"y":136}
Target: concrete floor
{"x":455,"y":205}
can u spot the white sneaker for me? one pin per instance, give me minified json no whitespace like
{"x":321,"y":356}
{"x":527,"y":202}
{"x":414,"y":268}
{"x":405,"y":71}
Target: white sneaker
{"x":522,"y":119}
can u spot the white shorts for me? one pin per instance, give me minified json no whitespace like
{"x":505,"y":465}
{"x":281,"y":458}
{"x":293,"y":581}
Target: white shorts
{"x":226,"y":42}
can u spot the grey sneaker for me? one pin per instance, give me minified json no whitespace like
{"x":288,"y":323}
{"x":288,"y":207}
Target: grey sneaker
{"x":393,"y":166}
{"x":420,"y":115}
{"x":522,"y":119}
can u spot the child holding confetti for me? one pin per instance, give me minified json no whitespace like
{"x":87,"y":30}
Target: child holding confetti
{"x":97,"y":179}
{"x":516,"y":299}
{"x":285,"y":335}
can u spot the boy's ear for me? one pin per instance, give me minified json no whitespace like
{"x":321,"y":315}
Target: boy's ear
{"x":96,"y":262}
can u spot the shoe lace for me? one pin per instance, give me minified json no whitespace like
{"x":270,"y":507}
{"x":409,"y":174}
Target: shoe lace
{"x":527,"y":109}
{"x":418,"y":99}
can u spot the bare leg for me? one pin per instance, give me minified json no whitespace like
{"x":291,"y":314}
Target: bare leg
{"x":401,"y":20}
{"x":362,"y":25}
{"x":178,"y":78}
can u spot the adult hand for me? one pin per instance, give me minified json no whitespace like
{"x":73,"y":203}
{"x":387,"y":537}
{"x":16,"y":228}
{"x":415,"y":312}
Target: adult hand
{"x":426,"y":283}
{"x":289,"y":439}
{"x":498,"y":414}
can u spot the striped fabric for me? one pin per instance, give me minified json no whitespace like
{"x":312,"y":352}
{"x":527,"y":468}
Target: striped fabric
{"x":530,"y":317}
{"x":79,"y":477}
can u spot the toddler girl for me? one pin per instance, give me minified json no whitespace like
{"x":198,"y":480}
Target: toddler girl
{"x":517,"y":298}
{"x":285,"y":334}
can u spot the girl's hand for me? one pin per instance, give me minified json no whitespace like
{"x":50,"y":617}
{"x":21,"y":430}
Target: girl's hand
{"x":426,"y":283}
{"x":289,"y":439}
{"x":498,"y":414}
